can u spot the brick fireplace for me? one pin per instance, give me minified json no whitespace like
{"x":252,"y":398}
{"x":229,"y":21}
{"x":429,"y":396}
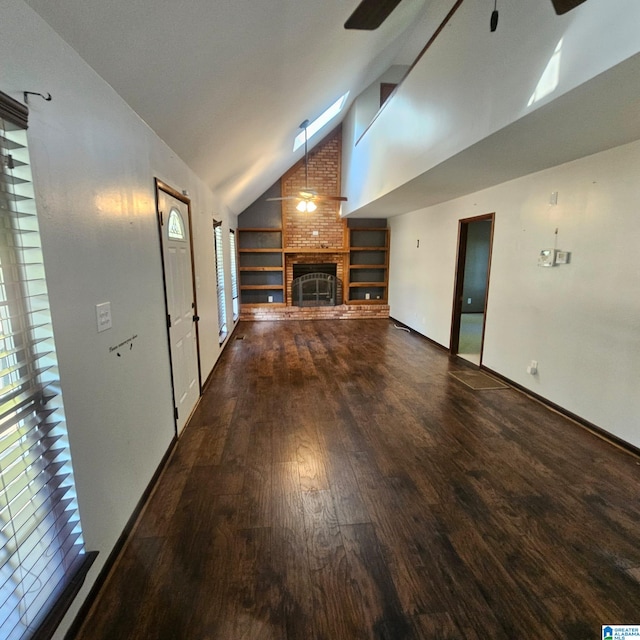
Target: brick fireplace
{"x":319,"y":237}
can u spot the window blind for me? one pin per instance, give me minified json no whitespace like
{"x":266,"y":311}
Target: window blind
{"x":222,"y":307}
{"x":42,"y":547}
{"x":234,"y":274}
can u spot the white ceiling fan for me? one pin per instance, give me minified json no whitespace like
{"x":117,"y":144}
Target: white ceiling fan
{"x":308,"y":197}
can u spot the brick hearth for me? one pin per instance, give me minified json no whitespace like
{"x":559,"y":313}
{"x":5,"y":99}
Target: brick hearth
{"x":339,"y":312}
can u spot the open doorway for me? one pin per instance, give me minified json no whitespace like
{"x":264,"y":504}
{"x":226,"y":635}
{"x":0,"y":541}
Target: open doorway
{"x":475,"y":238}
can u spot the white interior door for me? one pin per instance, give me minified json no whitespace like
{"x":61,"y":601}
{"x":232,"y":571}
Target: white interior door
{"x":176,"y":249}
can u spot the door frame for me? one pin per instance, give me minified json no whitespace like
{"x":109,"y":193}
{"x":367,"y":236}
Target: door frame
{"x":174,"y":193}
{"x":463,"y":229}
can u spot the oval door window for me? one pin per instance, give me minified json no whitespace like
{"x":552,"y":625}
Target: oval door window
{"x":175,"y":225}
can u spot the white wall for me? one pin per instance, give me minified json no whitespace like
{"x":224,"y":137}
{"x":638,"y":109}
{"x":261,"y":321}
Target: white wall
{"x":472,"y":83}
{"x":367,"y":104}
{"x":580,"y":321}
{"x":94,"y":164}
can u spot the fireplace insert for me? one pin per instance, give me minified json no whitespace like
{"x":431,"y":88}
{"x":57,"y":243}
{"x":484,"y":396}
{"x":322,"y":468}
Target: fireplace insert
{"x":316,"y":290}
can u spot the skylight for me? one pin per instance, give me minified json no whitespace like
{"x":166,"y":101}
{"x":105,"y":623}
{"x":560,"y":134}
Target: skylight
{"x":320,"y":121}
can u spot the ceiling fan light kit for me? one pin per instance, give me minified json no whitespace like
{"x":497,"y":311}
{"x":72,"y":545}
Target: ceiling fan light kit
{"x":306,"y":206}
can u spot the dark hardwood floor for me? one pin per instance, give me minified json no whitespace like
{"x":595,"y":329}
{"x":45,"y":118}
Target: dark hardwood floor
{"x":336,"y":483}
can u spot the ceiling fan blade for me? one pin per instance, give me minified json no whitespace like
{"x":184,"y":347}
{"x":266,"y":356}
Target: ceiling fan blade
{"x":370,"y":14}
{"x":562,"y":6}
{"x":335,"y":198}
{"x":278,"y":199}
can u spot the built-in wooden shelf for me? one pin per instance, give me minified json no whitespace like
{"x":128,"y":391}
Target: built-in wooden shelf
{"x":367,"y":244}
{"x":261,"y":265}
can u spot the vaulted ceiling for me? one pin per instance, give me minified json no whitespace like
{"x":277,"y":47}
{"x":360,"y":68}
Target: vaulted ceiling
{"x":225,"y":83}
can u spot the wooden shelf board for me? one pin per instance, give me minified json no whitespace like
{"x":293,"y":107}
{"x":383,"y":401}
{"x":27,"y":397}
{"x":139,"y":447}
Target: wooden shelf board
{"x":264,"y":287}
{"x":261,"y":269}
{"x":275,"y":250}
{"x":367,"y":284}
{"x":381,"y":301}
{"x":262,"y":304}
{"x":378,"y":248}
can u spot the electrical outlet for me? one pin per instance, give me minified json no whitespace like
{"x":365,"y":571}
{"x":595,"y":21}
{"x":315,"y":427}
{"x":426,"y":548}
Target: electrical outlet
{"x":270,"y":298}
{"x":468,"y":300}
{"x":103,"y":316}
{"x":532,"y":369}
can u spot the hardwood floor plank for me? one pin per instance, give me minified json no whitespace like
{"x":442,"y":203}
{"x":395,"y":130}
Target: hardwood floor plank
{"x":389,"y":523}
{"x":378,"y":598}
{"x":289,"y":552}
{"x":345,"y":492}
{"x":236,"y":443}
{"x":158,"y":513}
{"x":287,"y":498}
{"x":441,"y":626}
{"x":310,"y":456}
{"x":130,"y":586}
{"x":252,"y":608}
{"x":516,"y":614}
{"x":336,"y":602}
{"x":257,"y":497}
{"x":209,"y":561}
{"x":214,"y":435}
{"x":284,"y":440}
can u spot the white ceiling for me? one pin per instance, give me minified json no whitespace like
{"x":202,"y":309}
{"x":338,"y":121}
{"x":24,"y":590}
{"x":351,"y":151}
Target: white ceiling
{"x":226,"y":83}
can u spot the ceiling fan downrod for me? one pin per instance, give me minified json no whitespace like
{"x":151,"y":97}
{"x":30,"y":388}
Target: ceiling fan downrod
{"x":304,"y":125}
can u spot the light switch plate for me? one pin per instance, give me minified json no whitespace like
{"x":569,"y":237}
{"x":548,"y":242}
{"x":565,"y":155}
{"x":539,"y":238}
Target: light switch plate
{"x":103,"y":316}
